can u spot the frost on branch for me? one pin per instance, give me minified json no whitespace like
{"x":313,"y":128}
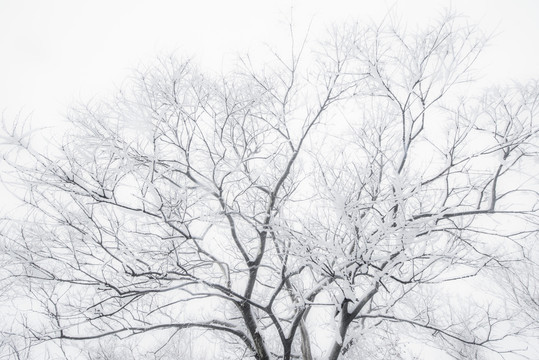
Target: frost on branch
{"x":254,"y":209}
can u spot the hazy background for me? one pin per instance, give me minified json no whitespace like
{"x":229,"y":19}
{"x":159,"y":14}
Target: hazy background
{"x":55,"y":52}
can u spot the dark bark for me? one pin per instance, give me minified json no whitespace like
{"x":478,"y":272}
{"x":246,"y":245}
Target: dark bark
{"x":346,"y":318}
{"x":258,"y":341}
{"x":305,"y":342}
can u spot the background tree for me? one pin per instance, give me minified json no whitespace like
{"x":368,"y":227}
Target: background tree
{"x":306,"y":208}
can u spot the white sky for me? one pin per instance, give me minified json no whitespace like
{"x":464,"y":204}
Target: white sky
{"x":56,"y":51}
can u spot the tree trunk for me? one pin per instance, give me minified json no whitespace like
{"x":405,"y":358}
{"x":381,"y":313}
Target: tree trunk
{"x":260,"y":346}
{"x":305,"y":342}
{"x":347,"y":318}
{"x":336,"y":349}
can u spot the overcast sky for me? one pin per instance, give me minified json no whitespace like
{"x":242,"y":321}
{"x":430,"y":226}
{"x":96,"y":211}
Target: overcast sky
{"x":56,"y":51}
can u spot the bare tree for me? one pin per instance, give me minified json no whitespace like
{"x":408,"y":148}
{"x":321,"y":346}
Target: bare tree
{"x":306,"y":208}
